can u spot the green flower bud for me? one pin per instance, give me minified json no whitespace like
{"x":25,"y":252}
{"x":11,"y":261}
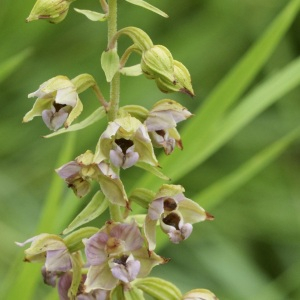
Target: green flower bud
{"x":182,"y":82}
{"x":183,"y":78}
{"x":199,"y":294}
{"x":158,"y":288}
{"x":52,"y":10}
{"x":157,"y":62}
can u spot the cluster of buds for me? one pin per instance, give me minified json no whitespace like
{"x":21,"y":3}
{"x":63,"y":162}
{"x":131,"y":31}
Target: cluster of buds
{"x":114,"y":261}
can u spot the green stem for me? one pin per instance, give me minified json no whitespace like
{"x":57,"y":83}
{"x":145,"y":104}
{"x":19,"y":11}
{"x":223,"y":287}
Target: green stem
{"x":115,"y":211}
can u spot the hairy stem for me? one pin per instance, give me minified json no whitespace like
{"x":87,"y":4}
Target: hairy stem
{"x":115,"y":211}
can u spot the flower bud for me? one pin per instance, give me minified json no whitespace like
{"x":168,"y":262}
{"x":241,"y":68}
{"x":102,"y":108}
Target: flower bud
{"x":197,"y":294}
{"x":157,"y":62}
{"x":53,"y":10}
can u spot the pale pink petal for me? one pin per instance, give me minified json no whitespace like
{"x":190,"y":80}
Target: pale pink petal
{"x":95,"y":248}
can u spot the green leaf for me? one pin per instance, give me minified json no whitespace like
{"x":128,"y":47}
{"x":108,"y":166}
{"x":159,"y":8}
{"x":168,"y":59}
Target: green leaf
{"x":148,"y":6}
{"x":97,"y":115}
{"x":222,"y":97}
{"x":95,"y":208}
{"x":158,"y":288}
{"x":92,"y":15}
{"x":110,"y":63}
{"x":215,"y":193}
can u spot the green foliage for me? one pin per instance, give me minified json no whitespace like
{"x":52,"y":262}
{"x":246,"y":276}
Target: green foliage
{"x":251,"y":249}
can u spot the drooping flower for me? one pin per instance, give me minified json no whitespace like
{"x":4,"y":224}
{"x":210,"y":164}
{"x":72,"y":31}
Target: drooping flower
{"x":116,"y":253}
{"x":49,"y":249}
{"x":175,"y":213}
{"x":57,"y":102}
{"x":79,"y":173}
{"x":170,"y":75}
{"x":162,"y":121}
{"x":125,"y":142}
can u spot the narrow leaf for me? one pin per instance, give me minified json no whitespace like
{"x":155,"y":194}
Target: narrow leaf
{"x":148,"y":6}
{"x":95,"y":208}
{"x":217,"y":192}
{"x":97,"y":115}
{"x":92,"y":15}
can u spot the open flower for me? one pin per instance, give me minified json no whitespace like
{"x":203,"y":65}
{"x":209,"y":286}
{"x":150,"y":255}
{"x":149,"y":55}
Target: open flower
{"x":175,"y":213}
{"x":57,"y":102}
{"x":116,"y":253}
{"x":125,"y":142}
{"x":162,"y":121}
{"x":79,"y":173}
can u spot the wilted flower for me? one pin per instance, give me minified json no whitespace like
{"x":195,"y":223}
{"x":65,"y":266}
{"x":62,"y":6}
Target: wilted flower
{"x":116,"y":253}
{"x":125,"y":142}
{"x":79,"y":173}
{"x":52,"y":10}
{"x":57,"y":102}
{"x":161,"y":123}
{"x":176,"y":214}
{"x":199,"y":294}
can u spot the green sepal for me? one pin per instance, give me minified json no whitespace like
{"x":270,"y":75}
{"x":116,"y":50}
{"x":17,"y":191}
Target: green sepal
{"x":76,"y":275}
{"x":92,"y":15}
{"x":138,"y":219}
{"x":183,"y":78}
{"x":142,"y":197}
{"x":110,"y":63}
{"x":113,"y":189}
{"x":135,"y":70}
{"x":148,"y":6}
{"x":137,"y":111}
{"x":158,"y":288}
{"x":95,"y":116}
{"x":169,"y":190}
{"x":75,"y":112}
{"x":134,"y":294}
{"x":39,"y":105}
{"x":154,"y":170}
{"x":74,"y":240}
{"x":82,"y":82}
{"x":95,"y":208}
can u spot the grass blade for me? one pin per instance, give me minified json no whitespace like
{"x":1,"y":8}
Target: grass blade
{"x":217,"y":192}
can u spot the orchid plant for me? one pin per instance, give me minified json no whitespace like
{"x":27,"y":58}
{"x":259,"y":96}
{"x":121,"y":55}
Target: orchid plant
{"x":114,"y":260}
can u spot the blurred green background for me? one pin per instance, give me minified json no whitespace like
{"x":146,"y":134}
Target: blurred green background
{"x":251,"y":249}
